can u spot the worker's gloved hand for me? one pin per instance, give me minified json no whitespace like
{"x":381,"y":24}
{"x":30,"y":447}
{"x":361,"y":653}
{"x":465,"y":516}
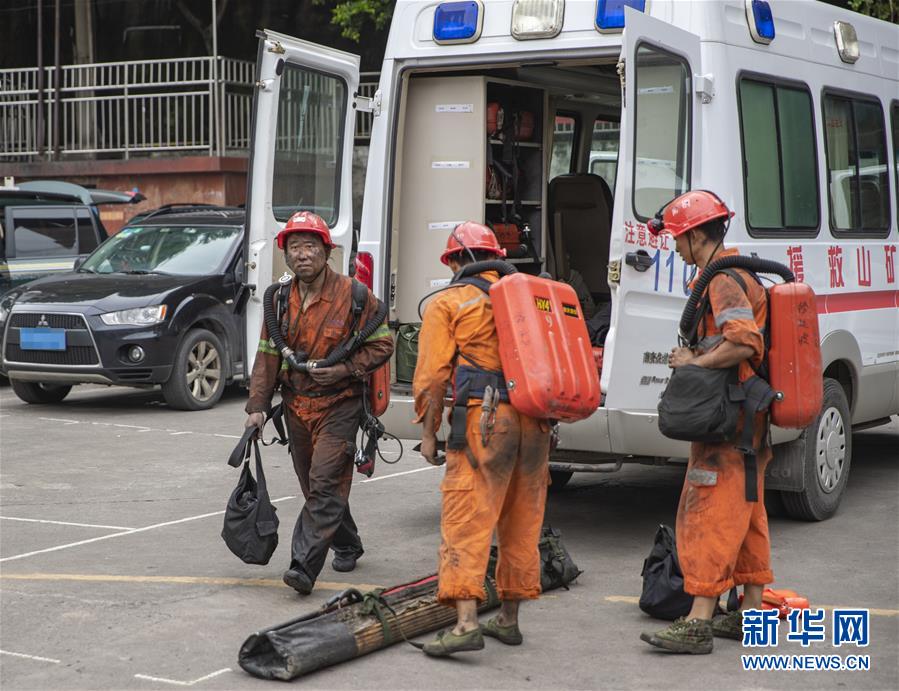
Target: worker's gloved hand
{"x":325,"y":376}
{"x":256,"y":420}
{"x":429,"y":449}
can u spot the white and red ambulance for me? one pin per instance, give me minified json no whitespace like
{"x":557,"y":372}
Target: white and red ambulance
{"x":789,"y":111}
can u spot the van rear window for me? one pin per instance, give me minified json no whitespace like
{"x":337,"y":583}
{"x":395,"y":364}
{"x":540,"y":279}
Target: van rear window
{"x":857,"y":177}
{"x":778,"y":133}
{"x":308,"y":144}
{"x":662,"y":138}
{"x":44,"y":233}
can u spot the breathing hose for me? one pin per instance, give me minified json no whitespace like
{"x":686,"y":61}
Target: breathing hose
{"x":501,"y":267}
{"x":754,"y":264}
{"x":298,"y":360}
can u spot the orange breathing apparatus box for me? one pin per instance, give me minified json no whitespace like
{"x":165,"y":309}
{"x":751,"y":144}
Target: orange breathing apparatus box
{"x":544,"y":348}
{"x":794,"y":356}
{"x":379,"y":390}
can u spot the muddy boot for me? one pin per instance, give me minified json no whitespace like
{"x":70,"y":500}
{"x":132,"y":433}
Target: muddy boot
{"x":448,"y":643}
{"x":728,"y":625}
{"x":510,"y":635}
{"x":693,"y":637}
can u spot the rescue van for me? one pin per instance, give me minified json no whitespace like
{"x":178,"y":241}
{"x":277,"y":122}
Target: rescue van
{"x":498,"y":112}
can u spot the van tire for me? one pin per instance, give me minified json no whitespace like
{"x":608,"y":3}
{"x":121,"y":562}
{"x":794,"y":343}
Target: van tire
{"x":559,"y":479}
{"x":198,"y":372}
{"x":828,"y":457}
{"x":39,"y":392}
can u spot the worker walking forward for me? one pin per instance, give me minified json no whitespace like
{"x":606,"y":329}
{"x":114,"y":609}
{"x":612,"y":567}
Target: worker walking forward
{"x":497,"y":459}
{"x":722,"y":535}
{"x":323,"y":407}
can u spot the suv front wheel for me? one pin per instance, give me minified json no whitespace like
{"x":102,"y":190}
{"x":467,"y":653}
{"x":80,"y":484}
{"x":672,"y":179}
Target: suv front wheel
{"x":39,"y":392}
{"x":198,"y":374}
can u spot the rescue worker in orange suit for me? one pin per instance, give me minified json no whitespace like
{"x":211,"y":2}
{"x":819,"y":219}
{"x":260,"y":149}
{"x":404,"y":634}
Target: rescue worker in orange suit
{"x":722,"y":538}
{"x":323,"y":407}
{"x":497,"y":481}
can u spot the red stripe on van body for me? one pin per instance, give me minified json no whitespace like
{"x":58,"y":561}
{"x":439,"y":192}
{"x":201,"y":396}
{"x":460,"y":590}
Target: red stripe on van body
{"x":851,"y":302}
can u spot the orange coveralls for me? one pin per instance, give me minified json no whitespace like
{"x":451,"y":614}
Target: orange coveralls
{"x":322,"y":421}
{"x":506,"y":492}
{"x":722,"y":539}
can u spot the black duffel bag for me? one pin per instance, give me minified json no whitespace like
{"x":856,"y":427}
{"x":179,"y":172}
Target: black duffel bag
{"x":663,"y":595}
{"x":251,"y":525}
{"x":701,"y":404}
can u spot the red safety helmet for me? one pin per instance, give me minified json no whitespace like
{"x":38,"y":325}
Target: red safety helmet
{"x":305,"y":222}
{"x":471,"y":236}
{"x":688,"y":211}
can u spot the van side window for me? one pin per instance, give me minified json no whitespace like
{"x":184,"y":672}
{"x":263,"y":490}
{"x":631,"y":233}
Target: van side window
{"x":87,"y":236}
{"x":308,"y":144}
{"x":664,"y":120}
{"x":564,"y":136}
{"x":604,"y":151}
{"x":857,"y":178}
{"x":781,"y":179}
{"x":44,"y":233}
{"x":894,"y":119}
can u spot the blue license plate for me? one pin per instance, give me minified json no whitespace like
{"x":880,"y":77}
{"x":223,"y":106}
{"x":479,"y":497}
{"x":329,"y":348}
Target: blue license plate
{"x":42,"y":339}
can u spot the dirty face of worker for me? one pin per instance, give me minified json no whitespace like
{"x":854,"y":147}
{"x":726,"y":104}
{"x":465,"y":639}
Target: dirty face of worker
{"x":306,"y":255}
{"x":682,"y":247}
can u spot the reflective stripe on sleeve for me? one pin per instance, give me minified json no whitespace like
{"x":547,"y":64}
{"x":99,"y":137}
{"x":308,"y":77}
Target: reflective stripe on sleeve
{"x":733,"y":314}
{"x":382,"y":331}
{"x":264,"y":347}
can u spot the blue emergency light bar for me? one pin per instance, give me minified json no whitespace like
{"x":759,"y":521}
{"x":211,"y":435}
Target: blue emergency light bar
{"x":458,"y":22}
{"x":761,"y":21}
{"x":610,"y":13}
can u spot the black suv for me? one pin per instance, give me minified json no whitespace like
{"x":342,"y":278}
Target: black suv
{"x":160,"y":303}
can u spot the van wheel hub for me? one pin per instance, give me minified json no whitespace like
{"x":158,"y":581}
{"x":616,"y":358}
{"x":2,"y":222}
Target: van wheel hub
{"x":831,"y":449}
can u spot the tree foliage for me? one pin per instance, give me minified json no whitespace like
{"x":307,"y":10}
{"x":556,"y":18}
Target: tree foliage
{"x":353,"y":16}
{"x":882,"y":9}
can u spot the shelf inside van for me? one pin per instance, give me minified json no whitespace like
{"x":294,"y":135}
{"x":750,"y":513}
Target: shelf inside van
{"x":509,"y":202}
{"x":524,"y":260}
{"x":529,"y":145}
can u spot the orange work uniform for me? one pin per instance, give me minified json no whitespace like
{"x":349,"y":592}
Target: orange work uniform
{"x":722,"y":539}
{"x":500,"y":486}
{"x":322,"y":421}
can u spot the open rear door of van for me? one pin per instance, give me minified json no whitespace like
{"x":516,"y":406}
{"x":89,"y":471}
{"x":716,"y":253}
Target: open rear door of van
{"x":658,"y":160}
{"x":301,"y":157}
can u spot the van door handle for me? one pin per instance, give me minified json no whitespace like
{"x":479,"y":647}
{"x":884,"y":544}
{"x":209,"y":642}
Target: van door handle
{"x":640,"y":260}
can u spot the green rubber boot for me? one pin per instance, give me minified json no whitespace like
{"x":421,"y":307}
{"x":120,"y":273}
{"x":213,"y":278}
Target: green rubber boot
{"x":510,"y":635}
{"x":447,"y":643}
{"x":728,"y":625}
{"x":693,"y":637}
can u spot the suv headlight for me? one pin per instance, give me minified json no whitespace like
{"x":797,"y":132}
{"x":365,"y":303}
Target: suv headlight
{"x":141,"y":316}
{"x":6,"y":303}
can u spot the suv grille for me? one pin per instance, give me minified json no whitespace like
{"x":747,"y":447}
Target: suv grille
{"x":31,"y":320}
{"x":72,"y":355}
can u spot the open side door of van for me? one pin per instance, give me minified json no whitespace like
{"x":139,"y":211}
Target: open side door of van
{"x":657,"y":161}
{"x":301,"y":157}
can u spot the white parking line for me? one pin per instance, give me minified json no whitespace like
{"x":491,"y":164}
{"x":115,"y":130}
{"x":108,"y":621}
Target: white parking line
{"x":125,"y":532}
{"x":405,"y":472}
{"x":38,"y":658}
{"x":176,"y":682}
{"x":63,"y":420}
{"x":79,"y":525}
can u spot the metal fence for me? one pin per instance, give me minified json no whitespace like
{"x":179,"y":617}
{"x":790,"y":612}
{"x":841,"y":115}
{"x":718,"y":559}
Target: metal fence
{"x":124,"y":109}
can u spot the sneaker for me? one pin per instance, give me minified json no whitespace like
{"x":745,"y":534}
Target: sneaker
{"x":345,"y":562}
{"x":448,"y":643}
{"x":510,"y":635}
{"x":728,"y":625}
{"x":298,"y":580}
{"x":692,"y":636}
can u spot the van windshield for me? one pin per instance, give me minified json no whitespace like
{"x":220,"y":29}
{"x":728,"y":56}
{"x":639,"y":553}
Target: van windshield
{"x":181,"y":250}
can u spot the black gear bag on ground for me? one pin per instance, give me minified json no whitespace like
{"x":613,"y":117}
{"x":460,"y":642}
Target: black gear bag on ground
{"x":663,"y":595}
{"x":251,"y":525}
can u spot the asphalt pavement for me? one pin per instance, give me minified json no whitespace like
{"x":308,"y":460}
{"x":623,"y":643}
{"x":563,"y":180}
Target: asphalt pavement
{"x":113,"y":574}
